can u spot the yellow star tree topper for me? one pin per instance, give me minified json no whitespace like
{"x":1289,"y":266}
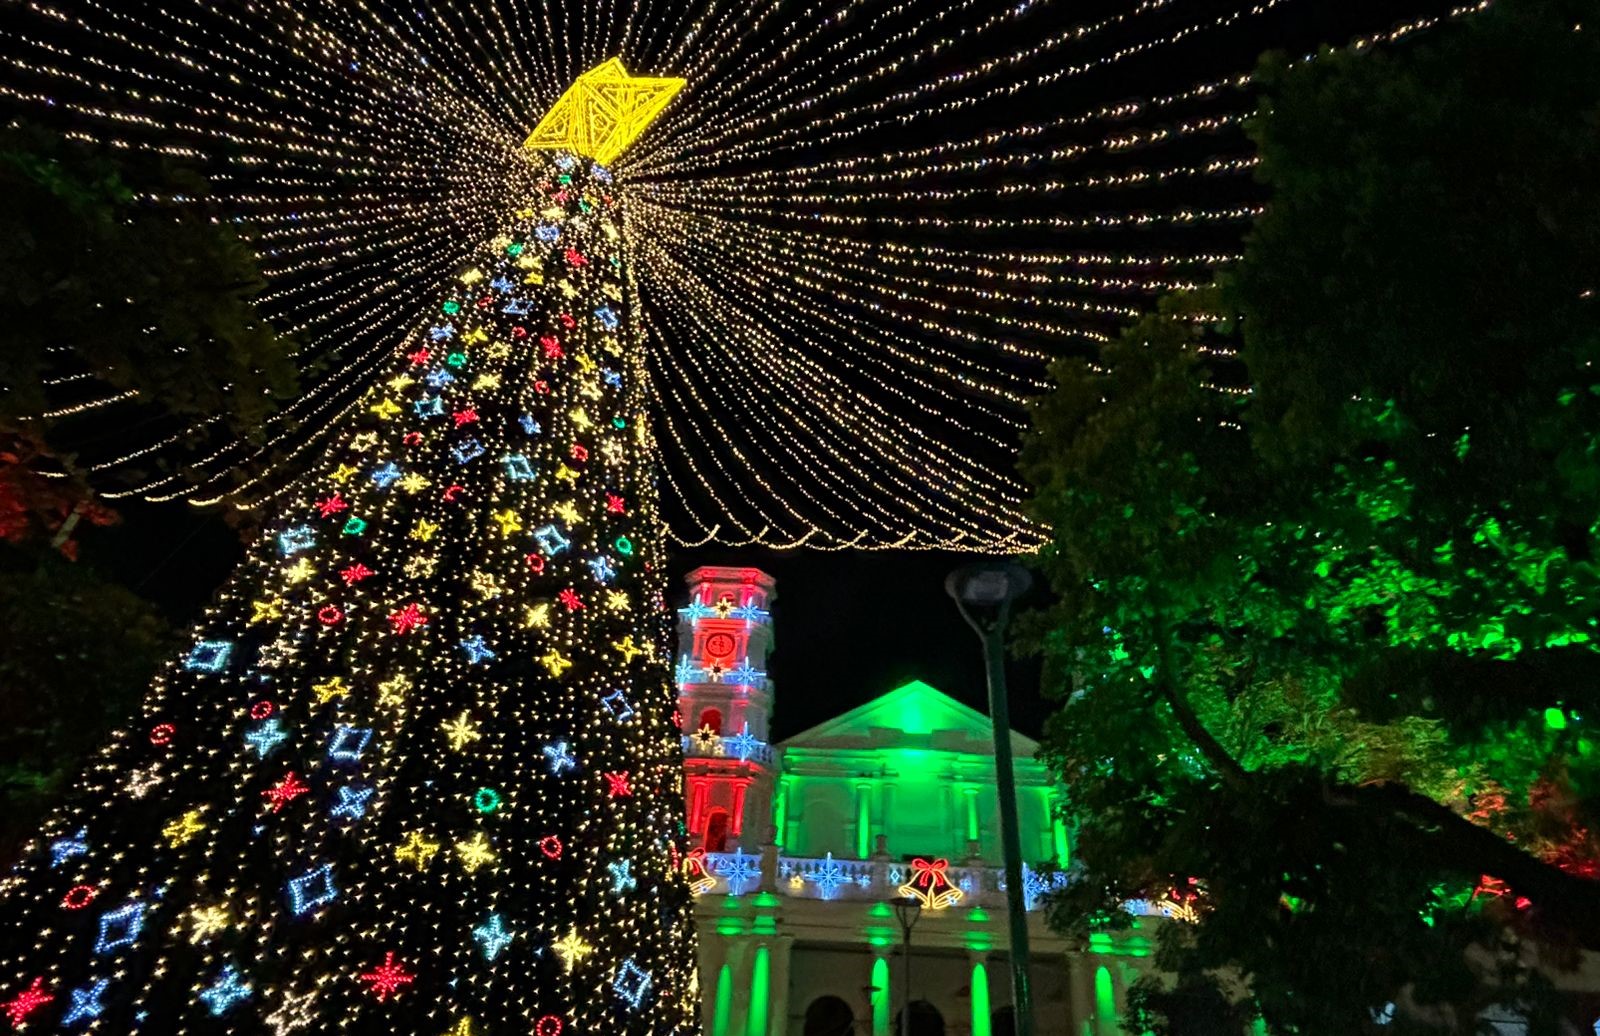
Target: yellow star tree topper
{"x":603,"y":112}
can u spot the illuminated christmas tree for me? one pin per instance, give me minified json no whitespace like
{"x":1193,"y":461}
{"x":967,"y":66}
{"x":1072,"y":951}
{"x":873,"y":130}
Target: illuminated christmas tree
{"x":416,"y":772}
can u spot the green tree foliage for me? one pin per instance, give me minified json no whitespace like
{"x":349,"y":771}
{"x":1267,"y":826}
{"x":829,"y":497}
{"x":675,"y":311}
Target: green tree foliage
{"x":113,"y":274}
{"x":78,"y":655}
{"x":117,"y":263}
{"x":1330,"y":647}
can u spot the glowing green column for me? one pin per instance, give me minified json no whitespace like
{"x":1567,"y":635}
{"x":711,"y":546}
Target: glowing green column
{"x":724,"y":1002}
{"x":1105,"y":1000}
{"x":880,"y":997}
{"x":760,"y":975}
{"x":780,"y":812}
{"x":972,"y":813}
{"x":863,"y":821}
{"x":980,"y":999}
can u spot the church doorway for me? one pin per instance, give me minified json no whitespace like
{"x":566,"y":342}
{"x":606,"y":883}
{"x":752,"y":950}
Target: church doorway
{"x":925,"y":1020}
{"x":829,"y":1016}
{"x":717,"y":831}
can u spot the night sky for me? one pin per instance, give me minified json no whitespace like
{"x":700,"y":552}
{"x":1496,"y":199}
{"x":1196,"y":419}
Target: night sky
{"x":850,"y":625}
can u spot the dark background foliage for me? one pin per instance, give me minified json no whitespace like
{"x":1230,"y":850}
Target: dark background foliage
{"x":1326,"y":648}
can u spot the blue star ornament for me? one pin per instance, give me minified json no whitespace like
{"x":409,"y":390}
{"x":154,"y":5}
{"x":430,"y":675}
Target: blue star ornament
{"x":492,"y":936}
{"x":86,"y":1003}
{"x":228,"y":989}
{"x":64,"y":849}
{"x":352,"y":804}
{"x":477,"y":651}
{"x":267,"y":735}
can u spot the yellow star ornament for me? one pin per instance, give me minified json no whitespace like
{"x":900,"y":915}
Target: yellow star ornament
{"x":603,"y":112}
{"x":571,"y":949}
{"x":184,"y":828}
{"x":417,"y":850}
{"x":329,"y":689}
{"x":204,"y":922}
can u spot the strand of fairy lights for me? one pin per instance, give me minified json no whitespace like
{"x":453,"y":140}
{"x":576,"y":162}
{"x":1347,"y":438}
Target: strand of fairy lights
{"x":1055,"y":75}
{"x":905,"y":355}
{"x":904,"y":163}
{"x":976,"y":499}
{"x":773,"y":101}
{"x":790,"y":138}
{"x":720,"y":146}
{"x":813,"y":374}
{"x":923,"y":352}
{"x":790,"y":252}
{"x":805,"y":388}
{"x":724,"y":390}
{"x":809,"y":381}
{"x":999,"y":344}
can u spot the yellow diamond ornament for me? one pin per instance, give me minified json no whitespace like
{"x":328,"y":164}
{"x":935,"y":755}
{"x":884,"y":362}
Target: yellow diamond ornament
{"x":603,"y":112}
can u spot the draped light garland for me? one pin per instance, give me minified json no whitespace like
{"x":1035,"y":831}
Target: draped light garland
{"x":860,"y":234}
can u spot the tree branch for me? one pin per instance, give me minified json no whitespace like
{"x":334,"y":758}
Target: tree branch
{"x":1571,"y":901}
{"x":1219,"y":757}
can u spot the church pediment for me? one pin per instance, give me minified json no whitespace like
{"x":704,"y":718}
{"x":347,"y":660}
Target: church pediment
{"x":914,"y":715}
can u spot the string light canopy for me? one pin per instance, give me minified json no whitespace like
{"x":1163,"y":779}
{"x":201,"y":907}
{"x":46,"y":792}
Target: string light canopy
{"x":858,"y":235}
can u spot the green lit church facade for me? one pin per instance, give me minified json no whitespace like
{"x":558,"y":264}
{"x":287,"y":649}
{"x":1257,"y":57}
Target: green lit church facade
{"x":801,"y":847}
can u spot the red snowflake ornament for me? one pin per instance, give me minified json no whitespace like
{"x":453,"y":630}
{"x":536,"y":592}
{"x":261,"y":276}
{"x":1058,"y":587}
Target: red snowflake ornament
{"x":332,"y":505}
{"x":26,"y":1002}
{"x":355,"y":573}
{"x":407,"y":619}
{"x":286,"y":791}
{"x":388,"y":978}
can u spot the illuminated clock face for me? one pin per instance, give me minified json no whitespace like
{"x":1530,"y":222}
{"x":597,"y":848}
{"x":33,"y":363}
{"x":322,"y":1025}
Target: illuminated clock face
{"x":719,"y":645}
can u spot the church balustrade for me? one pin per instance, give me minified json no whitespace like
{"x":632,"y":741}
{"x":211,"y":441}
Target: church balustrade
{"x":742,"y":746}
{"x":874,"y":880}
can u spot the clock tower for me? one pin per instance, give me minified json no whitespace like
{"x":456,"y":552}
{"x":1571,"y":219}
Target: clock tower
{"x":724,"y":701}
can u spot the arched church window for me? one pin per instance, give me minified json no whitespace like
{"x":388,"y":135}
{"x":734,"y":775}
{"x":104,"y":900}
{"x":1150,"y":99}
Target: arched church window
{"x":710,"y":718}
{"x":717,"y":831}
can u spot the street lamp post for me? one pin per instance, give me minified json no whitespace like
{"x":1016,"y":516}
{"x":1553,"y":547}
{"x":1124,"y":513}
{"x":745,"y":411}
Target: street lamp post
{"x":906,"y":911}
{"x":984,"y":593}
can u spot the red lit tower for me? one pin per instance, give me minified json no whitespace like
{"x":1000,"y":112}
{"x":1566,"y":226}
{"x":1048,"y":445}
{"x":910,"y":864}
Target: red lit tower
{"x":725,"y":699}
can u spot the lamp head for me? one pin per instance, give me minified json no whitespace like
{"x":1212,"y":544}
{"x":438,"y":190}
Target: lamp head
{"x":906,"y":911}
{"x":985,"y":590}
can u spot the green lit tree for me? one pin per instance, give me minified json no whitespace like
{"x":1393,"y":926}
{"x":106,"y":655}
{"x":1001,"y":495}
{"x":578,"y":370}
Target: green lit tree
{"x":1327,"y":646}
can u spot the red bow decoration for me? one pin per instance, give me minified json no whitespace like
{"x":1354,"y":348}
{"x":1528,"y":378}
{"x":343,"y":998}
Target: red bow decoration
{"x":930,"y":884}
{"x":925,"y":873}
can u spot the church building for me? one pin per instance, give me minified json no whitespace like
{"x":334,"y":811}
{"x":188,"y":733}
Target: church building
{"x":803,"y":848}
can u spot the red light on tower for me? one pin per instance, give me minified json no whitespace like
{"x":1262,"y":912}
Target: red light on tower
{"x":724,"y":699}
